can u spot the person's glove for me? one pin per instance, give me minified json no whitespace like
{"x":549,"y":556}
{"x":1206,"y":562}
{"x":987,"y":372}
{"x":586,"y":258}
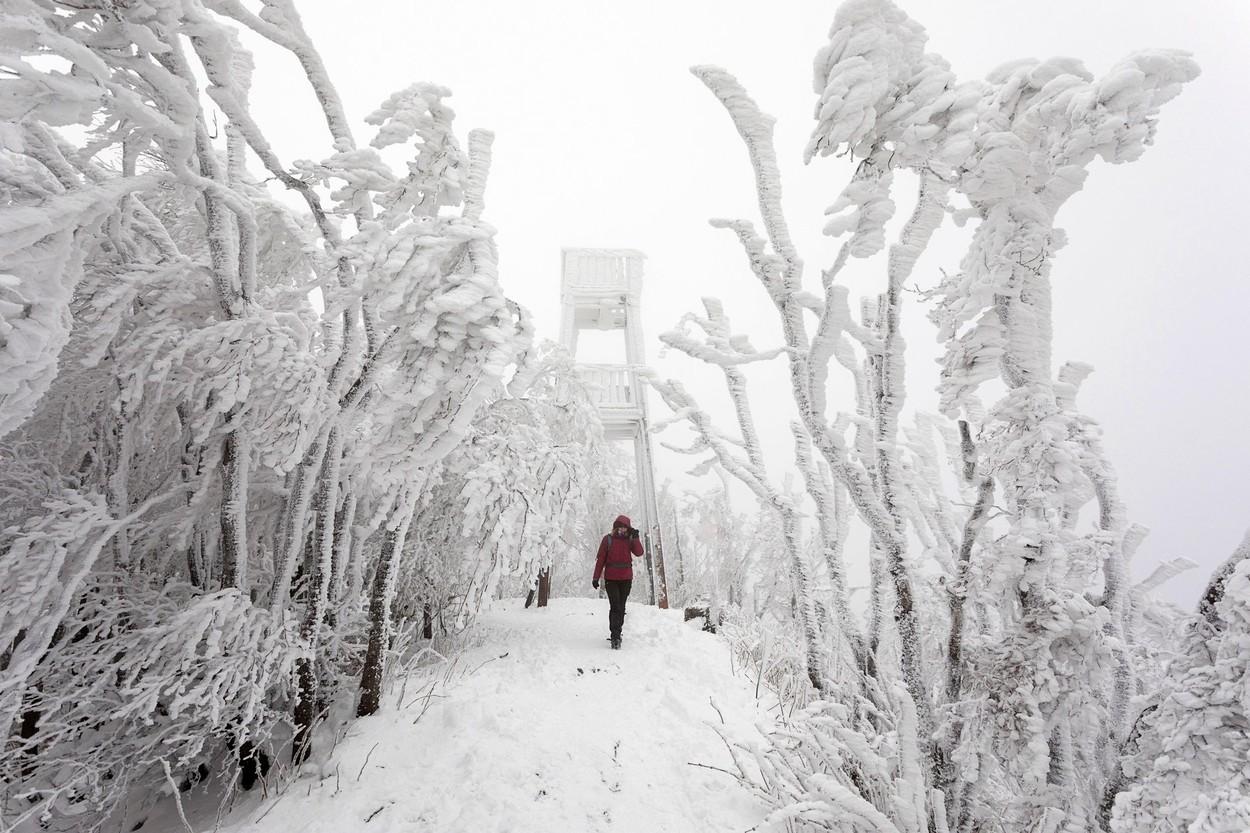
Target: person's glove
{"x":594,"y":582}
{"x":633,"y":533}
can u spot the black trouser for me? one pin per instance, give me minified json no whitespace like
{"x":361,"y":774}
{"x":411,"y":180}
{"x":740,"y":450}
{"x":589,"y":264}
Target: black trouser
{"x":618,"y":592}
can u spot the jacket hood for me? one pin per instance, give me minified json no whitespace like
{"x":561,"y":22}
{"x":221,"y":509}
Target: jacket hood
{"x":621,"y":520}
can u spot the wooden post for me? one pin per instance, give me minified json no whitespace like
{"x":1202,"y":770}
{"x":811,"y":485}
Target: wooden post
{"x":544,"y":586}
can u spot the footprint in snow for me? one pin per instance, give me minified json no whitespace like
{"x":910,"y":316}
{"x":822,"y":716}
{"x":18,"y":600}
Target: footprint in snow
{"x":590,"y":670}
{"x":612,"y":779}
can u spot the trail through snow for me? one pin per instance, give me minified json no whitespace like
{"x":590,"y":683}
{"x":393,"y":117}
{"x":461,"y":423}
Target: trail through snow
{"x":547,"y":729}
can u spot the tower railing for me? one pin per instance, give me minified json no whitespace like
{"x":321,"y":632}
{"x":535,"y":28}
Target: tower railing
{"x":601,"y":271}
{"x":611,"y":385}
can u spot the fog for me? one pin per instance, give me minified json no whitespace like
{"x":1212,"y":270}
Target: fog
{"x":605,"y":139}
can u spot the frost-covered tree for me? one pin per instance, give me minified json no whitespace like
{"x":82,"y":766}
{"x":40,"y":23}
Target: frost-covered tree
{"x":748,"y":466}
{"x":1041,"y":125}
{"x":715,"y":551}
{"x":990,"y":684}
{"x":511,"y":500}
{"x":206,"y":483}
{"x":1186,"y":763}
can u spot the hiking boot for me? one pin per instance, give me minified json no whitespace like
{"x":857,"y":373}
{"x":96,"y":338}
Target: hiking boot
{"x":616,"y":643}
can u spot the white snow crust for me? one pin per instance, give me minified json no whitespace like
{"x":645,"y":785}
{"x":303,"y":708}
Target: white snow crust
{"x":543,"y":728}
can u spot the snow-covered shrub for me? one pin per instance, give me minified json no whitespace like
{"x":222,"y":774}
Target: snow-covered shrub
{"x":767,"y":649}
{"x":840,"y":763}
{"x":164,"y":675}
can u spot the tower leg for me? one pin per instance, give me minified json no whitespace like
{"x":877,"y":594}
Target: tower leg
{"x":651,"y":518}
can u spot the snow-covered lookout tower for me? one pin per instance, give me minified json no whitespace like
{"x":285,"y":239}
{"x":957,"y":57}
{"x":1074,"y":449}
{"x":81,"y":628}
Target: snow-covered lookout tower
{"x":601,"y":289}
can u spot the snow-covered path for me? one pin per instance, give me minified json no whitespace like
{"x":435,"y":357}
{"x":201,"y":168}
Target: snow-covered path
{"x":549,"y":730}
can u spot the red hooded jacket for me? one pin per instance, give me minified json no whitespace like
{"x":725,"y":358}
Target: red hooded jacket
{"x":614,"y":562}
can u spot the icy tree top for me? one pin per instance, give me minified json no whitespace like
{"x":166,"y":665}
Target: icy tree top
{"x":878,"y":87}
{"x":888,"y":103}
{"x":1042,"y":122}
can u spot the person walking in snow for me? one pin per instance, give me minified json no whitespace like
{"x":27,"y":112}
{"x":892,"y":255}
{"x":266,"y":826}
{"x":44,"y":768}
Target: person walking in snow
{"x":615,"y":564}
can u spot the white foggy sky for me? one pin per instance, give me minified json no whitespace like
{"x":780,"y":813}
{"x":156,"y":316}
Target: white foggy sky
{"x":603,"y":138}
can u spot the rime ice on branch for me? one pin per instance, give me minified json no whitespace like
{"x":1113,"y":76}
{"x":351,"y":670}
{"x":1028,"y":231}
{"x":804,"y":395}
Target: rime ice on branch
{"x":199,"y":472}
{"x":1016,"y":714}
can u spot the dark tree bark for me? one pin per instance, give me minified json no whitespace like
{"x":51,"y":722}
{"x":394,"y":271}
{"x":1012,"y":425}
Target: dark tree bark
{"x":1208,"y":605}
{"x":27,"y":729}
{"x":704,"y":613}
{"x":544,"y":586}
{"x":253,"y":764}
{"x":305,"y":710}
{"x":321,"y":575}
{"x":379,"y":623}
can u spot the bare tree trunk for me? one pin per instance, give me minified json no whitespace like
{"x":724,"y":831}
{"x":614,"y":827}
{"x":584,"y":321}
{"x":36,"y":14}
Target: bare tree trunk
{"x":889,"y":394}
{"x":305,"y":709}
{"x":544,"y":586}
{"x":1208,"y":606}
{"x":804,"y":601}
{"x":380,"y":597}
{"x":876,"y":583}
{"x":195,"y":561}
{"x":320,"y":578}
{"x":958,"y":598}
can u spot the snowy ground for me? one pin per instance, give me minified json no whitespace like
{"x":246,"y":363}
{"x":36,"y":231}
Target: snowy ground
{"x":547,"y":730}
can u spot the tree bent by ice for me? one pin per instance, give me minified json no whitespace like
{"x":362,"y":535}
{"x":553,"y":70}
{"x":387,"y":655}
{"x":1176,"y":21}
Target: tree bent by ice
{"x":510,"y":500}
{"x":1185,"y":767}
{"x":206,"y":485}
{"x":1011,"y":706}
